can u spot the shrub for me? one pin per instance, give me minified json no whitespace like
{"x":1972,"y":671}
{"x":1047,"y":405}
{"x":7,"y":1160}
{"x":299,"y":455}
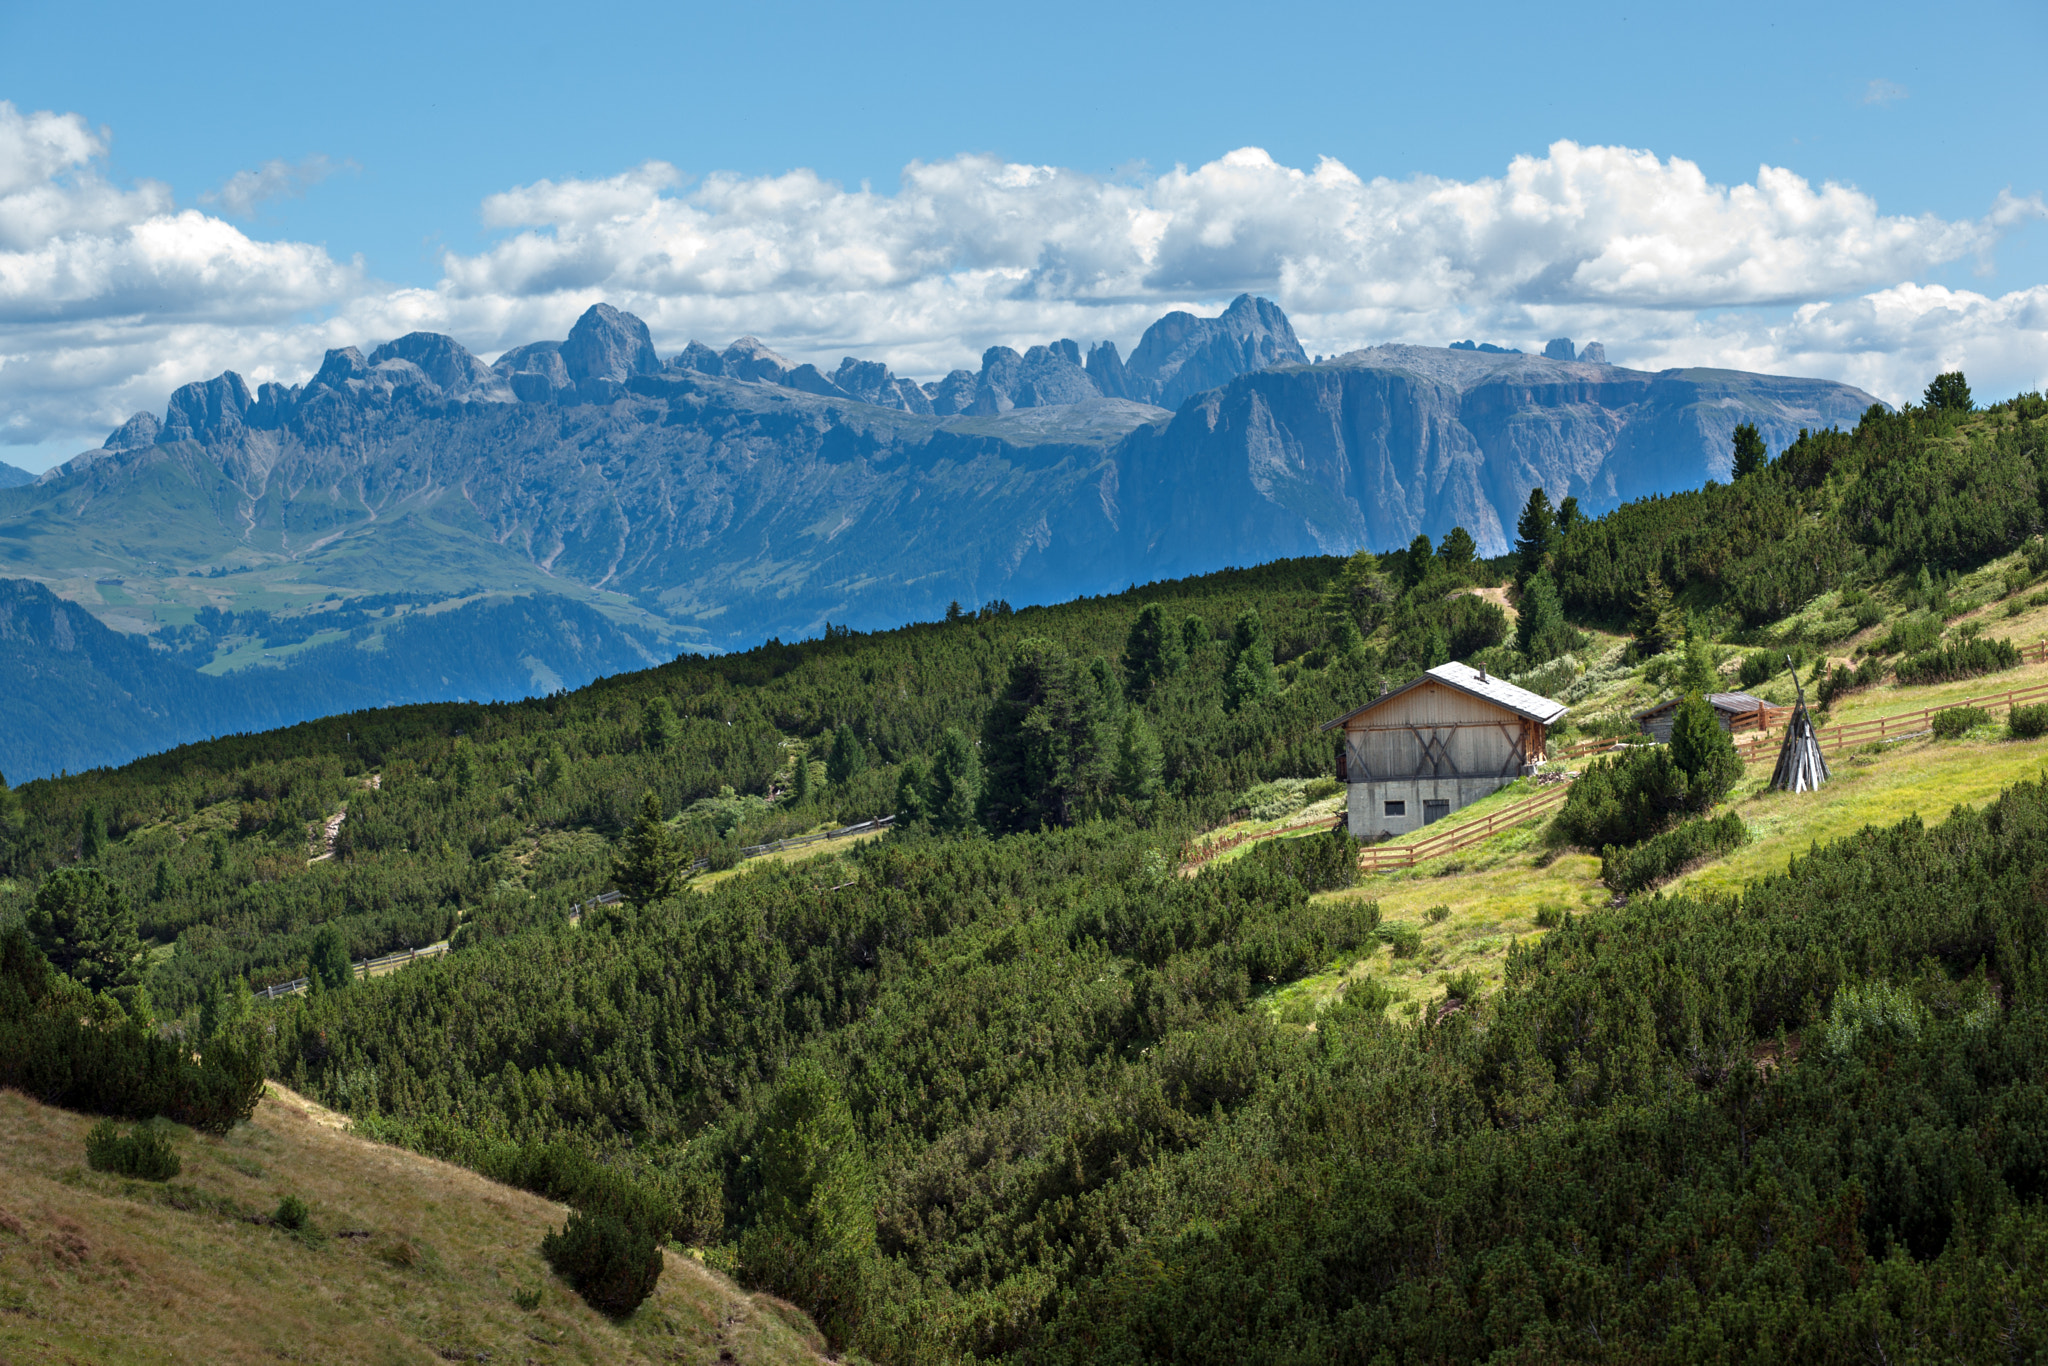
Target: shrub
{"x":292,"y":1213}
{"x":1910,"y":635}
{"x":1463,"y":986}
{"x":1320,"y":863}
{"x":1844,"y":680}
{"x":65,"y":1046}
{"x":1623,"y":800}
{"x":2027,"y":723}
{"x":612,"y":1265}
{"x":1961,"y":659}
{"x":1956,"y":722}
{"x":1438,"y":914}
{"x":1549,"y":916}
{"x":1758,"y":667}
{"x":1405,"y":940}
{"x":144,"y":1152}
{"x":1631,"y":870}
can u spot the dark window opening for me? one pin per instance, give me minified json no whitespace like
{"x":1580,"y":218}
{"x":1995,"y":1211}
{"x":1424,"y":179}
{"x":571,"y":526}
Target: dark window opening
{"x":1397,"y":808}
{"x":1435,"y":809}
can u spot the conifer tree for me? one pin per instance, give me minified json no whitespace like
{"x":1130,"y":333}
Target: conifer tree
{"x":329,"y":964}
{"x":1152,"y":652}
{"x":910,"y":790}
{"x":1541,"y":633}
{"x":1750,"y":455}
{"x":1699,"y":674}
{"x":1421,"y":559}
{"x":1656,"y":623}
{"x":1948,"y":393}
{"x":955,"y":783}
{"x":1458,"y":549}
{"x":847,"y":758}
{"x":82,"y":922}
{"x":658,"y":725}
{"x":464,"y":766}
{"x":800,"y":779}
{"x":92,"y":835}
{"x":160,"y":886}
{"x":1140,"y":763}
{"x":1568,"y":515}
{"x":812,"y":1223}
{"x":1248,"y":675}
{"x":1194,"y":634}
{"x":1535,"y":534}
{"x":649,"y":866}
{"x":1703,"y":752}
{"x":1046,"y":747}
{"x":1361,"y":593}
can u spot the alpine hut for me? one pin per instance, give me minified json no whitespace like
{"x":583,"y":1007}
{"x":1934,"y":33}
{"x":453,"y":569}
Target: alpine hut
{"x":1450,"y":737}
{"x":1729,"y":707}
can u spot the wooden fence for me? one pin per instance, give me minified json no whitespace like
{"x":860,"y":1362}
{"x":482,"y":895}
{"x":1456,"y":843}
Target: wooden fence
{"x":367,"y":967}
{"x":1385,"y":857}
{"x":773,"y":846}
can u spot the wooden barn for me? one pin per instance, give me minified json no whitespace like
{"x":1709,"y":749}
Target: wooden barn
{"x":1729,"y":707}
{"x":1418,"y":753}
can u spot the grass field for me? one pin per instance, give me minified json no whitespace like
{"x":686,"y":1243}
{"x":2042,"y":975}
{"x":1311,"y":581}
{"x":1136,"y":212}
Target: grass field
{"x":1493,"y":894}
{"x":408,"y":1260}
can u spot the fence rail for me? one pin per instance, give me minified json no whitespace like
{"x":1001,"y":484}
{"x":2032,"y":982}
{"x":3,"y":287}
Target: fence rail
{"x":775,"y":846}
{"x":1385,"y":857}
{"x":362,"y":968}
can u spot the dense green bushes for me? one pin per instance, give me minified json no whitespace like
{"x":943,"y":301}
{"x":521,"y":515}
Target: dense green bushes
{"x":611,"y":1264}
{"x":1959,"y":659}
{"x":144,"y":1151}
{"x":66,"y":1046}
{"x":1320,"y":863}
{"x":2028,"y":722}
{"x":1630,"y":870}
{"x":1952,"y":723}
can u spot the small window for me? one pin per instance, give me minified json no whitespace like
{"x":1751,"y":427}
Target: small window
{"x":1435,"y":810}
{"x":1397,"y":808}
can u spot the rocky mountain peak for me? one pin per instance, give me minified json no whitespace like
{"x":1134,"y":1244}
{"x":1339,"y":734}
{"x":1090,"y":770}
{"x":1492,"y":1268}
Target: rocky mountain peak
{"x":446,"y":364}
{"x":608,"y":346}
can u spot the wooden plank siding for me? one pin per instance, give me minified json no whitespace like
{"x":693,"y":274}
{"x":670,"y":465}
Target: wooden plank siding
{"x":1435,"y":731}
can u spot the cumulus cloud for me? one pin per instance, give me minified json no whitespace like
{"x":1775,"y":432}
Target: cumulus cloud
{"x":109,"y":297}
{"x":274,"y":179}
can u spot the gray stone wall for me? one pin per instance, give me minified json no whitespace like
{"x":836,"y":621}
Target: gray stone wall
{"x":1368,"y":802}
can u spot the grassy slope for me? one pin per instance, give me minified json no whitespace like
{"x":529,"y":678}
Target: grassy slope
{"x":97,"y":1268}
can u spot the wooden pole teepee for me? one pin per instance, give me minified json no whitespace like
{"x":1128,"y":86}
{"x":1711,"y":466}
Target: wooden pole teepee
{"x":1801,"y":767}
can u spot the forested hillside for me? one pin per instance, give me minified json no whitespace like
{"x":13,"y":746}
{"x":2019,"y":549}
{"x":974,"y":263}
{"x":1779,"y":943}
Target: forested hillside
{"x":1005,"y":1083}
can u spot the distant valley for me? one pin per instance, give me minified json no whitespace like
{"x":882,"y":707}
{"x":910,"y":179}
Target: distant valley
{"x":721,"y":497}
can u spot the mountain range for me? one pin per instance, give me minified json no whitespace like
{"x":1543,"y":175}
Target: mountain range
{"x":720,"y":497}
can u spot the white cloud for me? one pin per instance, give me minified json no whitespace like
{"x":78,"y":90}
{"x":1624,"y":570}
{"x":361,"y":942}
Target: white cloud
{"x":111,"y":297}
{"x":1882,"y":91}
{"x":274,"y":179}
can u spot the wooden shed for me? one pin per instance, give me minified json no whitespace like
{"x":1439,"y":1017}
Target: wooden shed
{"x":1729,"y":708}
{"x":1452,"y":736}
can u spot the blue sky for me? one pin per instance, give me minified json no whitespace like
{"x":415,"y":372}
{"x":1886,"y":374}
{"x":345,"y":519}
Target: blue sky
{"x":388,"y":130}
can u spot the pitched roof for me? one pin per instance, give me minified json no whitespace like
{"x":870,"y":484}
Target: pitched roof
{"x":1734,"y":703}
{"x":1477,"y":683}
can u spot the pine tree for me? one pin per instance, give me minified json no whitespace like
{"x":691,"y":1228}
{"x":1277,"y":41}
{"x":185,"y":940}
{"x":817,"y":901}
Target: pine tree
{"x":811,"y":1226}
{"x":1248,"y":675}
{"x":658,"y":725}
{"x":1535,"y":534}
{"x":1140,"y":763}
{"x":1421,"y":559}
{"x":1151,"y":653}
{"x":161,"y":887}
{"x":800,"y":779}
{"x":1750,"y":455}
{"x":1656,"y":623}
{"x":1046,"y":746}
{"x":92,"y":836}
{"x":1568,"y":516}
{"x":1361,"y":593}
{"x":329,"y":965}
{"x":82,"y":922}
{"x":1948,"y":393}
{"x":847,"y":758}
{"x":955,"y":783}
{"x":1458,"y":549}
{"x":464,"y":766}
{"x":1703,"y":752}
{"x":910,"y":790}
{"x":1194,"y":635}
{"x":649,"y":866}
{"x":1541,"y":633}
{"x":1700,"y":674}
